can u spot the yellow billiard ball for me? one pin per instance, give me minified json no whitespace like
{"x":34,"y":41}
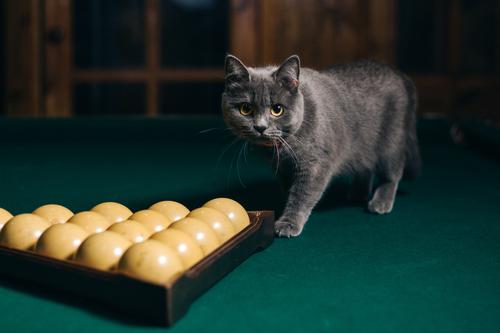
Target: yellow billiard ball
{"x":61,"y":240}
{"x":102,"y":250}
{"x":131,"y":230}
{"x":22,"y":231}
{"x":92,"y":222}
{"x":200,"y":232}
{"x":186,"y":247}
{"x":4,"y":217}
{"x":151,"y":261}
{"x":219,"y":222}
{"x":151,"y":219}
{"x":54,"y":213}
{"x":233,"y":210}
{"x":174,"y":211}
{"x":113,"y":211}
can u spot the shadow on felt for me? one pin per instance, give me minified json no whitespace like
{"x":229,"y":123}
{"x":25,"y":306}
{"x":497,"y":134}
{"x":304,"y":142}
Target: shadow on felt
{"x":262,"y":195}
{"x":74,"y":300}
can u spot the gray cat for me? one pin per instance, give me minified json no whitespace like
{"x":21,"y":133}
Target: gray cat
{"x":357,"y":119}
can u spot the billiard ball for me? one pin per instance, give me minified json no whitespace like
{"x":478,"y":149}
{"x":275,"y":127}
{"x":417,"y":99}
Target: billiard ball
{"x":131,"y":230}
{"x":151,"y":261}
{"x":102,"y":250}
{"x":22,"y":231}
{"x":113,"y":211}
{"x":4,"y":217}
{"x":174,"y":211}
{"x":61,"y":240}
{"x":91,"y":221}
{"x":186,"y":247}
{"x":219,"y":222}
{"x":200,"y":232}
{"x":151,"y":219}
{"x":233,"y":210}
{"x":54,"y":213}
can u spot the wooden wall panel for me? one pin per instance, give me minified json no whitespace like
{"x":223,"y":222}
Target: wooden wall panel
{"x":325,"y":32}
{"x":382,"y":30}
{"x":244,"y":30}
{"x":40,"y":73}
{"x":299,"y":27}
{"x":58,"y":58}
{"x":23,"y":56}
{"x":152,"y":55}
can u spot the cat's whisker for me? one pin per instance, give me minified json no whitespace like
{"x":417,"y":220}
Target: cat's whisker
{"x":293,"y":155}
{"x":245,"y":152}
{"x":291,"y":150}
{"x":228,"y":179}
{"x":274,"y":152}
{"x":245,"y":134}
{"x":306,"y":121}
{"x":209,"y":130}
{"x":213,"y":129}
{"x":225,"y":150}
{"x":238,"y":165}
{"x":296,"y":139}
{"x":276,"y":148}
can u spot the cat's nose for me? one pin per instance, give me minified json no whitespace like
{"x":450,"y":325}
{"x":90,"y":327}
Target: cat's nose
{"x":260,"y":128}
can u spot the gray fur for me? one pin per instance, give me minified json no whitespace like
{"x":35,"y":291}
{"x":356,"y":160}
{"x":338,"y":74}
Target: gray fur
{"x":357,"y":118}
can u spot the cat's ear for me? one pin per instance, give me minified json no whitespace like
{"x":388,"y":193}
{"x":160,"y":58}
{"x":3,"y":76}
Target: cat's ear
{"x":236,"y":72}
{"x":288,"y":73}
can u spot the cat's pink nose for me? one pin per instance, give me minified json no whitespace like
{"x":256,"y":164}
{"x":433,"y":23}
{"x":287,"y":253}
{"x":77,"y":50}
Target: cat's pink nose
{"x":260,"y":128}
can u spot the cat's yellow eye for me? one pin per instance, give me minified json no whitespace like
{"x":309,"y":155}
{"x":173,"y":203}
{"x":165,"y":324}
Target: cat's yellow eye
{"x":277,"y":110}
{"x":245,"y":109}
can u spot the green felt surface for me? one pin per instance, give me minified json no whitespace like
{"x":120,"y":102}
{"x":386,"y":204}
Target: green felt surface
{"x":431,"y":265}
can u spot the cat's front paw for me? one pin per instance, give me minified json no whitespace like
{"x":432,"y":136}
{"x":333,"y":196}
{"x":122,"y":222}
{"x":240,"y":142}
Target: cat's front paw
{"x":287,"y":229}
{"x":378,"y":206}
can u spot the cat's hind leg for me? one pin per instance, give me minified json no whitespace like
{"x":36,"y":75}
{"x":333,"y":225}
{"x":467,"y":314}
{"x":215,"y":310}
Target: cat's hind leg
{"x":390,"y":174}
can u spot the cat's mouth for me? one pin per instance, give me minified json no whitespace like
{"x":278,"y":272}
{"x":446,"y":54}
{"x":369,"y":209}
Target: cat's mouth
{"x":268,"y":143}
{"x":261,"y":140}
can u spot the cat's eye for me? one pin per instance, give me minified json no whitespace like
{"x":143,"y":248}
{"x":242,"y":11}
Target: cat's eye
{"x":246,"y":109}
{"x":277,"y":110}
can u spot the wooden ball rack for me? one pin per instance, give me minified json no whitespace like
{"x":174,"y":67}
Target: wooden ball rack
{"x":152,"y":303}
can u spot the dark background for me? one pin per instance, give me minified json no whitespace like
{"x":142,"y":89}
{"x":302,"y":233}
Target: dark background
{"x":107,"y":58}
{"x":423,"y":39}
{"x":3,"y":62}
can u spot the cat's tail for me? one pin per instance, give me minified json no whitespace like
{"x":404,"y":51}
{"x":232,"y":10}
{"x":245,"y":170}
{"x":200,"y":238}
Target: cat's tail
{"x":413,"y":163}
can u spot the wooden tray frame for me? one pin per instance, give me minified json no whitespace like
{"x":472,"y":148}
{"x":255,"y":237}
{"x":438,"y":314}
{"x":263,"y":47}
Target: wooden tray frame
{"x":156,"y":304}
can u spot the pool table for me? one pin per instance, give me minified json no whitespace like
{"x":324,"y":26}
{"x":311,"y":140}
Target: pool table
{"x":433,"y":264}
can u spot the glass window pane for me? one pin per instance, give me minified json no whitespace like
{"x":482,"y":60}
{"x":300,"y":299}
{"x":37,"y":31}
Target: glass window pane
{"x":194,"y":33}
{"x":191,"y":98}
{"x":109,"y":99}
{"x":108,"y":33}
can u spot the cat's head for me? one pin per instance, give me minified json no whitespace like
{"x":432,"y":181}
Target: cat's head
{"x":263,"y":104}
